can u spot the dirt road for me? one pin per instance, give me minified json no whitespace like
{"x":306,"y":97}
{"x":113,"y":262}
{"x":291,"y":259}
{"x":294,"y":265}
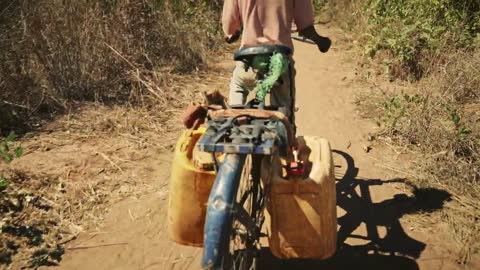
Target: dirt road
{"x":373,"y":203}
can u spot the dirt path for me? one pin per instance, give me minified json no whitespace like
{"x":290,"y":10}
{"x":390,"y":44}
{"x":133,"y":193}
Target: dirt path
{"x":372,"y":201}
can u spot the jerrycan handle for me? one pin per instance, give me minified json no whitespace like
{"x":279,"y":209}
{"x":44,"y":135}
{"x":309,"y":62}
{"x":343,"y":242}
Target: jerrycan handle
{"x":191,"y":138}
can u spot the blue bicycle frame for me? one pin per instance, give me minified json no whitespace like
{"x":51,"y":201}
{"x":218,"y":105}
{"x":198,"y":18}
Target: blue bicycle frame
{"x":220,"y":211}
{"x":237,"y":137}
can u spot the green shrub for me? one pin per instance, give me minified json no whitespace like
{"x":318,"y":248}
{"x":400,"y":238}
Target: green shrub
{"x":7,"y":149}
{"x":416,"y":33}
{"x":8,"y":152}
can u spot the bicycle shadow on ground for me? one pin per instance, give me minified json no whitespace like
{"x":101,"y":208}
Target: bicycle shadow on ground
{"x":395,"y":250}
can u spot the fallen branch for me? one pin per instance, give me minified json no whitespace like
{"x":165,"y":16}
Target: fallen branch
{"x":111,"y":162}
{"x":97,"y":246}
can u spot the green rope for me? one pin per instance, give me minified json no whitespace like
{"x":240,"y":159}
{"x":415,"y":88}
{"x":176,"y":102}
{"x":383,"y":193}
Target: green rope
{"x":276,"y":65}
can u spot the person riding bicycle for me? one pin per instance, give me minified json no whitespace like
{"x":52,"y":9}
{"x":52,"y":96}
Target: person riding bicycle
{"x":262,"y":22}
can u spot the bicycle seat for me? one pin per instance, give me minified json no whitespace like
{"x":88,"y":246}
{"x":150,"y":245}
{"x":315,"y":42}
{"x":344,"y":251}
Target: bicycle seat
{"x":249,"y":52}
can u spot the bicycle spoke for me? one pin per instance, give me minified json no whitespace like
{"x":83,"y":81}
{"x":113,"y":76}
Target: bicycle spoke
{"x":244,"y":198}
{"x":244,"y":218}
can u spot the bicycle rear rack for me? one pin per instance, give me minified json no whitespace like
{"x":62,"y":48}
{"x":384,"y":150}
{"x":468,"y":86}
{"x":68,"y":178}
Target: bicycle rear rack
{"x":244,"y":135}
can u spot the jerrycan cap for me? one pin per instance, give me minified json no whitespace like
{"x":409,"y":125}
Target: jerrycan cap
{"x":296,"y":169}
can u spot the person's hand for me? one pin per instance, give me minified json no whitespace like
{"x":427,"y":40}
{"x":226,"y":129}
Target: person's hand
{"x":323,"y":43}
{"x":232,"y":38}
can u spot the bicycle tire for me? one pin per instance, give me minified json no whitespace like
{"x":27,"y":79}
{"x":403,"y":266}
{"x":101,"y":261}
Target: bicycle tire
{"x":247,"y":259}
{"x":220,"y":211}
{"x":223,"y":229}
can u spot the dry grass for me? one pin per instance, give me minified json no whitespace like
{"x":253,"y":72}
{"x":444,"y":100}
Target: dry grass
{"x":54,"y":52}
{"x":156,"y":124}
{"x":439,"y":121}
{"x":79,"y":163}
{"x":101,"y":84}
{"x":435,"y":120}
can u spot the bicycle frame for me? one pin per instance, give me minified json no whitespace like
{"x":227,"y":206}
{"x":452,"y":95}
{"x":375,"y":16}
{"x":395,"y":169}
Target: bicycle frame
{"x":222,"y":206}
{"x":257,"y":137}
{"x":221,"y":210}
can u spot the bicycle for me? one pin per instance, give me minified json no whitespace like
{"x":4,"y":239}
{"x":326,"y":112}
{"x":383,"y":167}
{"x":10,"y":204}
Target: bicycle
{"x":244,"y":135}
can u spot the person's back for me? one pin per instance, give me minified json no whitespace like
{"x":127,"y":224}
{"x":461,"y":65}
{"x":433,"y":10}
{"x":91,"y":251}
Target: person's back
{"x":266,"y":21}
{"x":262,"y":22}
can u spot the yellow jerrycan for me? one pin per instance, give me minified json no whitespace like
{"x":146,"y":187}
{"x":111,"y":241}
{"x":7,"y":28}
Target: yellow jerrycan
{"x":192,"y":178}
{"x":301,"y":213}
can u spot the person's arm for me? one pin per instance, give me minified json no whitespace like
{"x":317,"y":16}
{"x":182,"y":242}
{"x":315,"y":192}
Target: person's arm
{"x":304,"y":19}
{"x":231,"y":20}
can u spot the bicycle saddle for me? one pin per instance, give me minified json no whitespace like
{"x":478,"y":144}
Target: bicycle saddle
{"x":245,"y":54}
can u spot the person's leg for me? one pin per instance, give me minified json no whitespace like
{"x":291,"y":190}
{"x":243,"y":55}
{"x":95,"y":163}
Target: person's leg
{"x":240,"y":84}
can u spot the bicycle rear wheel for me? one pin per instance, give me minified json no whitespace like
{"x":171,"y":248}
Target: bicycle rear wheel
{"x":234,"y":216}
{"x":244,"y":246}
{"x":220,"y":211}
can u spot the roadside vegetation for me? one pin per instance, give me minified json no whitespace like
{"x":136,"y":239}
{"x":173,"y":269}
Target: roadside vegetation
{"x":434,"y":47}
{"x":129,"y":62}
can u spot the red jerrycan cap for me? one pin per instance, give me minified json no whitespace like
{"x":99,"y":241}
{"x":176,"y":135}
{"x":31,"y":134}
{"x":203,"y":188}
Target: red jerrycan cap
{"x":296,"y":169}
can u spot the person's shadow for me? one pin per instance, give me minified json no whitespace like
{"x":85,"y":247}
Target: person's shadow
{"x":396,"y":250}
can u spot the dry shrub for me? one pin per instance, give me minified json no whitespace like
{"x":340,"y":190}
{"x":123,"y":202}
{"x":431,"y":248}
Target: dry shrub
{"x":409,"y":37}
{"x":458,"y":169}
{"x":347,"y":14}
{"x":70,"y":56}
{"x":441,"y":122}
{"x":38,"y":216}
{"x":43,"y":210}
{"x":87,"y":160}
{"x":97,"y":155}
{"x":55,"y":52}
